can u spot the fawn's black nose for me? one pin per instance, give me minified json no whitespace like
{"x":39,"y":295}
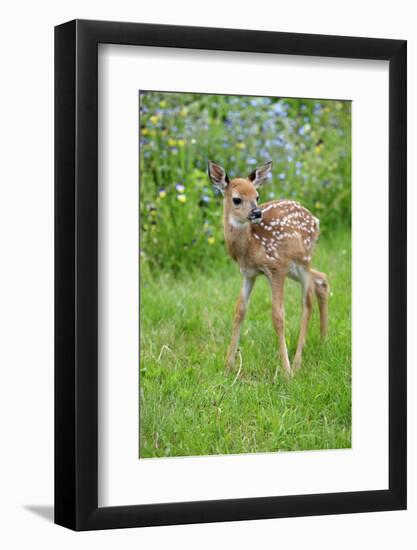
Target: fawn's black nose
{"x":256,"y":213}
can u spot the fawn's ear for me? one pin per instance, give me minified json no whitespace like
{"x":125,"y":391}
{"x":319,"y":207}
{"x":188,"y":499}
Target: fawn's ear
{"x":260,"y":175}
{"x":218,"y":176}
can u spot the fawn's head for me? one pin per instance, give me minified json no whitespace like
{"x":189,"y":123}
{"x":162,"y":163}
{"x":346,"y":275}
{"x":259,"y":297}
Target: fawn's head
{"x":240,"y":194}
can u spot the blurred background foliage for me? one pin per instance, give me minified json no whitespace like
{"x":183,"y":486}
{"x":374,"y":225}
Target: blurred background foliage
{"x":309,"y":142}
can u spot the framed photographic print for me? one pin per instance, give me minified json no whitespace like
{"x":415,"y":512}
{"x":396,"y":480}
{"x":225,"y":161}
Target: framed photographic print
{"x":230,"y":252}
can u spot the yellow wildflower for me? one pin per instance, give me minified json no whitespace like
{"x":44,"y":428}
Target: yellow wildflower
{"x":162,"y":193}
{"x":181,"y":142}
{"x":182,"y":198}
{"x":162,"y":103}
{"x":144,"y":131}
{"x":172,"y":142}
{"x":184,"y":111}
{"x":154,"y":119}
{"x":241,"y":145}
{"x":211,"y":240}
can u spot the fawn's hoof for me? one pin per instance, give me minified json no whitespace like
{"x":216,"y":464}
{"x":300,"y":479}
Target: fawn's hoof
{"x":296,"y":364}
{"x":287,"y":372}
{"x":228,"y":366}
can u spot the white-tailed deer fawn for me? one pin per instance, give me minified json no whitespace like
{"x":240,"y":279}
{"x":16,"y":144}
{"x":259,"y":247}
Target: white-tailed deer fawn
{"x":275,"y":239}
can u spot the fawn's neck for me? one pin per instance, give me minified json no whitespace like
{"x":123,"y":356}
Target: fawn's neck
{"x":237,"y":236}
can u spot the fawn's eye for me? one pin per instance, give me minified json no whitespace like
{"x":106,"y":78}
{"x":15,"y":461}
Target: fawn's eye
{"x":237,"y":200}
{"x":257,"y":198}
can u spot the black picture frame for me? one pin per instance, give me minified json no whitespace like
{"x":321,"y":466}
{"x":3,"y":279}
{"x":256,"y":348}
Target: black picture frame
{"x":76,"y":273}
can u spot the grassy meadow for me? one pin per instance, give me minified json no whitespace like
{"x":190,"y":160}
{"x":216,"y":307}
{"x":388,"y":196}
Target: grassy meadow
{"x":189,"y":286}
{"x":187,"y":404}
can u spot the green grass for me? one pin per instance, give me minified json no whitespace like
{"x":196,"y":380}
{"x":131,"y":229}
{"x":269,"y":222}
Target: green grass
{"x":188,"y":406}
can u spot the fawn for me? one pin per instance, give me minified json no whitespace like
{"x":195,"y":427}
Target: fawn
{"x":276,"y":239}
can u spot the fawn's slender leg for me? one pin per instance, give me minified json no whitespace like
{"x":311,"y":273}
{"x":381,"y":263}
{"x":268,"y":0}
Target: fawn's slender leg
{"x":321,"y":288}
{"x":277,"y":281}
{"x":307,"y":285}
{"x":240,"y":312}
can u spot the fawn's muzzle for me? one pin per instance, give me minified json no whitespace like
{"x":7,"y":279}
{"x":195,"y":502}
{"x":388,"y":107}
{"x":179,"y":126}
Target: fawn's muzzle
{"x":255,"y":215}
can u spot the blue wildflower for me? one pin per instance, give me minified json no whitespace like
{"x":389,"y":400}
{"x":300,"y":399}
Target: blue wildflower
{"x":317,"y":108}
{"x":279,"y":109}
{"x":278,"y":141}
{"x":304,"y":129}
{"x":204,"y":201}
